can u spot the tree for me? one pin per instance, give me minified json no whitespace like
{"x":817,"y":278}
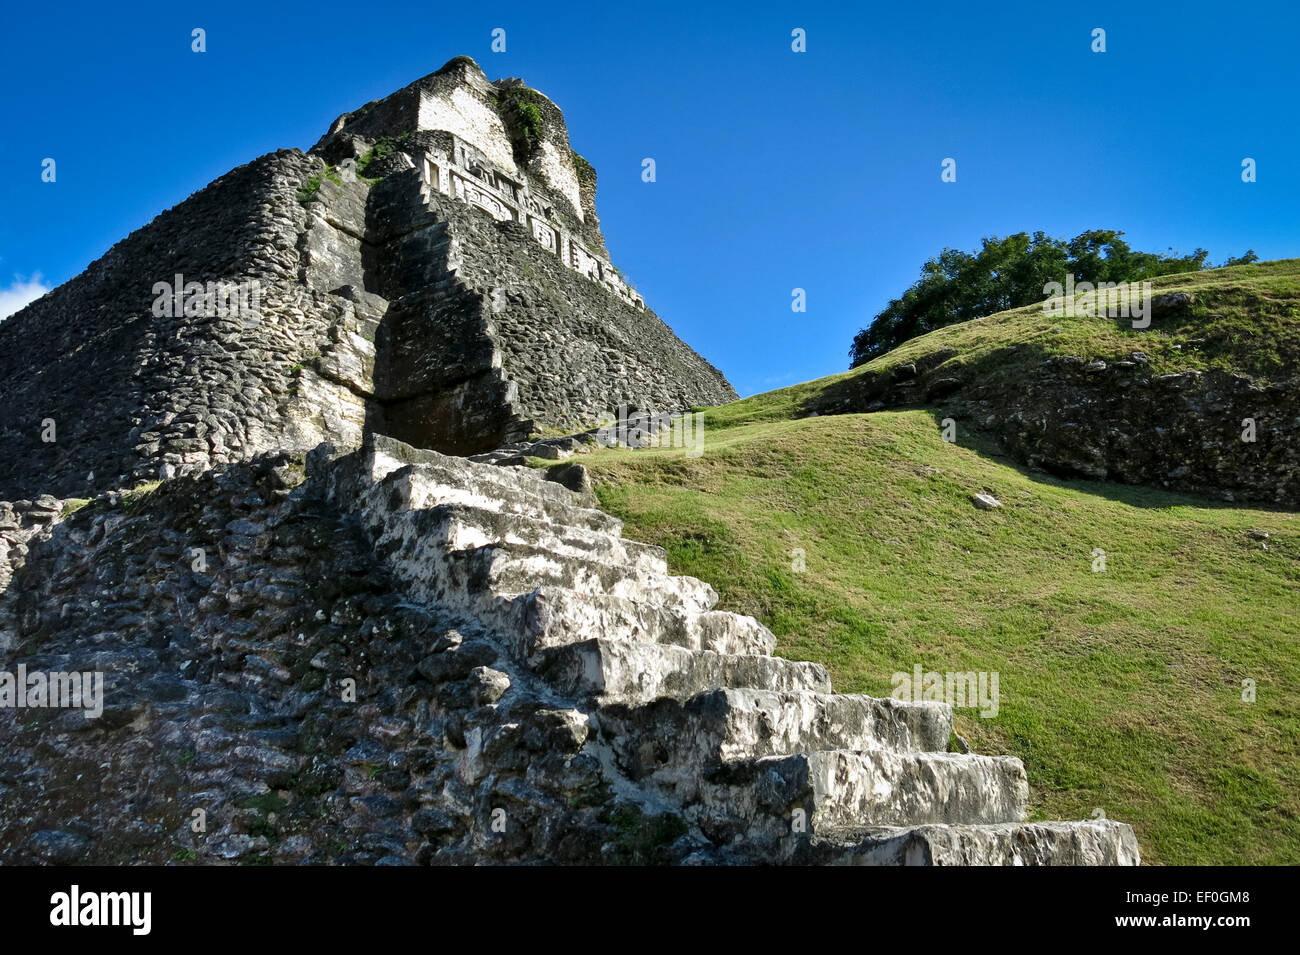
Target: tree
{"x":1010,"y":272}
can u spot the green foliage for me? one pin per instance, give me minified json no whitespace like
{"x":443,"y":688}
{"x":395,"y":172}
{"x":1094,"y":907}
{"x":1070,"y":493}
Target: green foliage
{"x":380,"y":150}
{"x":1245,"y":320}
{"x":133,"y":501}
{"x":1246,"y":259}
{"x":308,"y":190}
{"x":641,"y":838}
{"x":520,"y":111}
{"x":586,"y":171}
{"x":1007,"y":273}
{"x":266,"y":803}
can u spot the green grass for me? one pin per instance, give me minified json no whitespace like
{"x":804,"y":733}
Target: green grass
{"x":1121,"y":691}
{"x":384,"y":148}
{"x":586,"y":172}
{"x":1245,"y":319}
{"x":307,"y":191}
{"x":134,"y":499}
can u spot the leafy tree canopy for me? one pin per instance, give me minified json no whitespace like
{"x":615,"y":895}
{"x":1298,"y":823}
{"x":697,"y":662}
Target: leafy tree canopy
{"x":1010,"y":272}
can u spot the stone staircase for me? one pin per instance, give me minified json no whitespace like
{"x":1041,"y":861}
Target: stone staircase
{"x":690,"y":709}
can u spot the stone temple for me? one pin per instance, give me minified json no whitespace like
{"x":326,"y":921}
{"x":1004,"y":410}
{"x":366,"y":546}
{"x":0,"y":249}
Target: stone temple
{"x":256,"y":552}
{"x":433,"y":270}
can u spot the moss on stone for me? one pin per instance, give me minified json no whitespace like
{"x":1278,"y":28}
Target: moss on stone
{"x":586,"y":171}
{"x":307,"y":191}
{"x":641,"y":838}
{"x":456,"y":61}
{"x":384,"y":148}
{"x":521,"y":112}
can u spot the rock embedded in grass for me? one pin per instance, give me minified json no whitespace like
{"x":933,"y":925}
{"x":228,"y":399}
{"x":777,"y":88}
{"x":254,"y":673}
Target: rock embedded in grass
{"x":1171,"y":302}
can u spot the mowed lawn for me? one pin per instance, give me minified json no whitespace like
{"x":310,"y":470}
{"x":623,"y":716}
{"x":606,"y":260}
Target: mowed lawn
{"x":1121,"y":690}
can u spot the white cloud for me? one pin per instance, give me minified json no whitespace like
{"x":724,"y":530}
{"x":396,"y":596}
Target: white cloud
{"x":20,"y":293}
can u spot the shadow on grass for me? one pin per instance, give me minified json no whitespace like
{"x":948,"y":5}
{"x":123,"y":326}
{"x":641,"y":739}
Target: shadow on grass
{"x":1111,"y":428}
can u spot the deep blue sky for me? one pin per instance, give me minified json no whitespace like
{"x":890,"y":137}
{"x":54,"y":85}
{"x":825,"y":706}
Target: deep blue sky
{"x":776,"y":170}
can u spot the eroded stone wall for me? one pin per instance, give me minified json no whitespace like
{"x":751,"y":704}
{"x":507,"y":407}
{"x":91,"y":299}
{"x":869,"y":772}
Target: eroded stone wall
{"x":223,"y":694}
{"x":1214,"y":433}
{"x":134,"y":396}
{"x":576,"y":348}
{"x":457,"y":295}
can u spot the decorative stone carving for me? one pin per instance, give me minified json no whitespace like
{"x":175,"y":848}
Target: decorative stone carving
{"x":545,"y":235}
{"x":475,"y":163}
{"x":583,"y":261}
{"x":538,"y":208}
{"x":477,"y":195}
{"x":507,"y":187}
{"x":432,"y":175}
{"x":470,"y":176}
{"x":613,"y":279}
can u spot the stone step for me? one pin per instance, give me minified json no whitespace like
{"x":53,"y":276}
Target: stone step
{"x":692,"y":737}
{"x":423,"y":486}
{"x":775,"y":796}
{"x":520,"y":481}
{"x":482,"y":582}
{"x":613,"y":671}
{"x":521,"y":490}
{"x":510,"y":569}
{"x":752,"y":749}
{"x":1092,"y":842}
{"x":464,"y":526}
{"x":554,"y":616}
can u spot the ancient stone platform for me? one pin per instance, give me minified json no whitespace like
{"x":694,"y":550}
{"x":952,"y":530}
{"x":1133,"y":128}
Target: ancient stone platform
{"x":529,"y":687}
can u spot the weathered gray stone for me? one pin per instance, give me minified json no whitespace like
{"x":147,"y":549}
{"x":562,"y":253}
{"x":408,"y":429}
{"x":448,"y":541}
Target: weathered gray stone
{"x":669,"y":737}
{"x":1162,"y":305}
{"x":472,"y":696}
{"x":1106,"y":418}
{"x":450,"y":303}
{"x":1100,"y":842}
{"x":350,"y":650}
{"x":838,"y":788}
{"x":552,"y":616}
{"x":614,"y":671}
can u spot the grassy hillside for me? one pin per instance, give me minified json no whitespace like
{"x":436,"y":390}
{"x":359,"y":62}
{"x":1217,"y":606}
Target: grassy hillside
{"x":1245,"y":319}
{"x":1121,"y":690}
